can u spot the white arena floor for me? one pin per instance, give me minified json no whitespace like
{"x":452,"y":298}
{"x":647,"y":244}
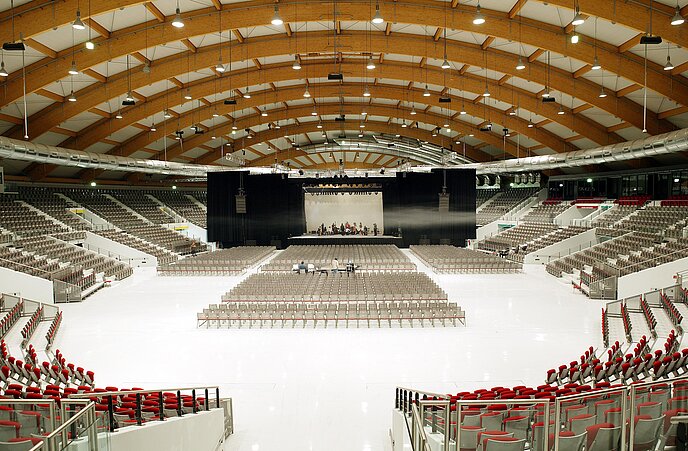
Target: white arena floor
{"x":326,"y":389}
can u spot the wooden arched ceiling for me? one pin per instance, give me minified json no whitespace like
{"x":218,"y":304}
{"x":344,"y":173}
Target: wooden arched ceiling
{"x":409,"y":46}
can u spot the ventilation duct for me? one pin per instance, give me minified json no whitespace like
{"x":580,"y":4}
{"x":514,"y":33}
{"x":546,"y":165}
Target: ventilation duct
{"x":39,"y":153}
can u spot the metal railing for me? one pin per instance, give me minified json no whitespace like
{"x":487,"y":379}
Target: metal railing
{"x":436,"y":423}
{"x":110,"y":397}
{"x":82,"y":425}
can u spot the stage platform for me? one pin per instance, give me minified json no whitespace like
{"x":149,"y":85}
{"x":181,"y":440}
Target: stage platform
{"x":344,"y":239}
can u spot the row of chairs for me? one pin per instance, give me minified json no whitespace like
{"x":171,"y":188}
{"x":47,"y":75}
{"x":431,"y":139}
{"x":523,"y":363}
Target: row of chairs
{"x":380,"y":314}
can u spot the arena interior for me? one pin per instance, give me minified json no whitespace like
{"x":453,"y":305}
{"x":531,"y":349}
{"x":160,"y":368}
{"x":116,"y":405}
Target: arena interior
{"x":386,"y":225}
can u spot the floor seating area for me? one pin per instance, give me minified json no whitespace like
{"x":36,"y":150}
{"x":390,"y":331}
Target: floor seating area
{"x":376,"y":257}
{"x":361,"y":299}
{"x":444,"y":259}
{"x":225,"y":262}
{"x":503,"y":203}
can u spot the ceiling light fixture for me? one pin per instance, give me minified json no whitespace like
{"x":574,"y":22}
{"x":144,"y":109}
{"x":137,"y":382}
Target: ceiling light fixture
{"x":479,"y":19}
{"x":520,"y":65}
{"x":306,"y":93}
{"x":72,"y":97}
{"x":178,"y":22}
{"x":486,"y":93}
{"x":603,"y":94}
{"x":297,"y":64}
{"x":668,"y":65}
{"x":377,"y":19}
{"x":574,"y":38}
{"x":118,"y":115}
{"x":146,"y":68}
{"x":90,"y":45}
{"x":578,"y":18}
{"x":220,"y":67}
{"x":445,"y":63}
{"x":276,"y":19}
{"x":73,"y":70}
{"x":366,"y":92}
{"x":413,"y":111}
{"x":166,"y":114}
{"x":3,"y":71}
{"x":678,"y":18}
{"x":247,"y":94}
{"x":371,"y":63}
{"x":187,"y":96}
{"x":596,"y":64}
{"x":78,"y":24}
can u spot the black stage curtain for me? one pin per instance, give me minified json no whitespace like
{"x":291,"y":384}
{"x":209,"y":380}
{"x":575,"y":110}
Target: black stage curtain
{"x":274,"y":209}
{"x":411,"y":207}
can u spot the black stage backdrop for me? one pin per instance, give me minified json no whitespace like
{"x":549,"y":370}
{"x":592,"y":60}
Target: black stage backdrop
{"x":411,"y":207}
{"x":275,"y":207}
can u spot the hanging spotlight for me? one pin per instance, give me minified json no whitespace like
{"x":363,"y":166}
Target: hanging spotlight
{"x":72,"y":97}
{"x":306,"y":93}
{"x":215,"y":114}
{"x":78,"y":24}
{"x":118,"y":115}
{"x":445,"y":63}
{"x":319,"y":125}
{"x":366,"y":92}
{"x":426,"y":93}
{"x":166,"y":114}
{"x":371,"y":63}
{"x":247,"y":94}
{"x":403,"y":124}
{"x":277,"y":125}
{"x":413,"y":111}
{"x":486,"y":93}
{"x":90,"y":45}
{"x":561,"y":111}
{"x":276,"y":19}
{"x":479,"y":19}
{"x":377,"y":19}
{"x":364,"y":113}
{"x":668,"y":65}
{"x":678,"y":18}
{"x":577,"y":18}
{"x":178,"y":22}
{"x":73,"y":70}
{"x":546,"y":93}
{"x":360,"y":135}
{"x":520,"y":65}
{"x":129,"y":97}
{"x":361,"y":125}
{"x":296,"y":65}
{"x":264,"y":113}
{"x":530,"y":124}
{"x":220,"y":67}
{"x":187,"y":95}
{"x":153,"y":128}
{"x":512,"y":113}
{"x":314,"y":113}
{"x":462,"y":112}
{"x":146,"y":68}
{"x":574,"y":38}
{"x":595,"y":64}
{"x":603,"y":94}
{"x":3,"y":71}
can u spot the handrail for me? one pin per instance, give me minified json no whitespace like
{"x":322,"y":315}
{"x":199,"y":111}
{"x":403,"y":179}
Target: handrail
{"x":417,"y":430}
{"x":133,"y":392}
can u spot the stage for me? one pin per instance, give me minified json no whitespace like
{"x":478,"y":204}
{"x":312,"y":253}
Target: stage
{"x":344,"y":239}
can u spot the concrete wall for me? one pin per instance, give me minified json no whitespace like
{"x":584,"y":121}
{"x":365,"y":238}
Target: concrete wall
{"x":562,"y":248}
{"x":650,"y":279}
{"x":489,"y":230}
{"x":105,"y":246}
{"x":200,"y":432}
{"x":574,"y":212}
{"x":24,"y":285}
{"x":191,"y":230}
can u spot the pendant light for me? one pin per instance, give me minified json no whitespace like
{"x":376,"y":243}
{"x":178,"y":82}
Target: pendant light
{"x":478,"y":19}
{"x":72,"y":97}
{"x":377,"y":19}
{"x":520,"y":65}
{"x":78,"y":24}
{"x":297,"y":64}
{"x":371,"y":63}
{"x":677,"y":19}
{"x":276,"y":19}
{"x":178,"y":22}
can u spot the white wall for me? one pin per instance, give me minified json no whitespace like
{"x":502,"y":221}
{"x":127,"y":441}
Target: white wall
{"x":129,"y":255}
{"x":399,"y":431}
{"x":366,"y":209}
{"x":490,"y":229}
{"x":191,"y":231}
{"x":651,"y":278}
{"x":563,"y":248}
{"x":200,"y":432}
{"x":574,"y":212}
{"x":24,"y":285}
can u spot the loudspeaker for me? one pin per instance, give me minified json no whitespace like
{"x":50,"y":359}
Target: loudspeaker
{"x":240,"y":204}
{"x":444,"y":203}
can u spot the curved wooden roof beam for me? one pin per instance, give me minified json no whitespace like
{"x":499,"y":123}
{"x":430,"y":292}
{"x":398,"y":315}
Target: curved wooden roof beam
{"x":299,"y":129}
{"x":473,"y":55}
{"x":291,"y":93}
{"x":374,"y":126}
{"x":531,"y":32}
{"x":525,"y":100}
